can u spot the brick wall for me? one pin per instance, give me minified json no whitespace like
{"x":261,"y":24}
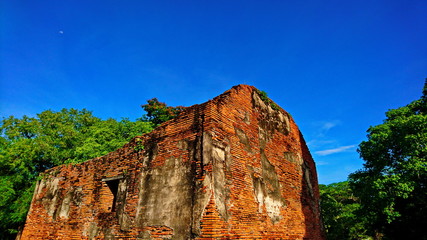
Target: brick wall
{"x":231,"y":168}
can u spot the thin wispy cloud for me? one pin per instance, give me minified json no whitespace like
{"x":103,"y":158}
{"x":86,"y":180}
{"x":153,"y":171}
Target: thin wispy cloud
{"x":323,"y":127}
{"x":334,"y":150}
{"x":328,"y":125}
{"x":316,"y":143}
{"x":322,"y":163}
{"x":320,"y":136}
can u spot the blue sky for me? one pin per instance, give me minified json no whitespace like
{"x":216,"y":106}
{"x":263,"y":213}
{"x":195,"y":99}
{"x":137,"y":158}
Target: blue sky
{"x":336,"y":66}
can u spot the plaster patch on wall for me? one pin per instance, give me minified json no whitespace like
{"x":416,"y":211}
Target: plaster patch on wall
{"x":125,"y":221}
{"x":91,"y":230}
{"x":271,"y":120}
{"x":293,"y":157}
{"x":216,"y":153}
{"x":243,"y":139}
{"x":108,"y":234}
{"x":267,"y":190}
{"x":258,"y":102}
{"x":64,"y":209}
{"x":201,"y":199}
{"x":221,"y":192}
{"x":50,"y":198}
{"x":165,"y":197}
{"x":307,"y":178}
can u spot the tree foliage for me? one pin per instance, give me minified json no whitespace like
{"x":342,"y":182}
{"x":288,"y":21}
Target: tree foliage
{"x":392,"y":186}
{"x":159,"y":112}
{"x":30,"y":145}
{"x":339,"y":209}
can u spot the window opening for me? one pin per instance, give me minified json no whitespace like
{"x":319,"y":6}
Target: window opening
{"x":113,"y":185}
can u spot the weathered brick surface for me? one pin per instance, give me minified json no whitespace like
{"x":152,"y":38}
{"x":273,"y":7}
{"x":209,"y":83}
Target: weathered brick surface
{"x":231,"y":168}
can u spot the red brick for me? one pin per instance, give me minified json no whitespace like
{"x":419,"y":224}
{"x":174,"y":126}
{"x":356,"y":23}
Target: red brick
{"x":231,"y":168}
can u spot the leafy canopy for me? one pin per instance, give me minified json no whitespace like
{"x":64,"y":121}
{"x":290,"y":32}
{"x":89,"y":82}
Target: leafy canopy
{"x":159,"y":112}
{"x":392,"y":186}
{"x":339,"y":209}
{"x":30,"y":145}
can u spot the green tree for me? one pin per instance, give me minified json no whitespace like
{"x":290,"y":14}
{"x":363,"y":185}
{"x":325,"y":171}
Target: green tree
{"x":30,"y":145}
{"x":392,"y":185}
{"x":339,"y":209}
{"x":159,"y":112}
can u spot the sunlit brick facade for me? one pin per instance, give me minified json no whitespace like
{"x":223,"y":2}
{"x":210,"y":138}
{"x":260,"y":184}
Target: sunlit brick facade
{"x":235,"y":167}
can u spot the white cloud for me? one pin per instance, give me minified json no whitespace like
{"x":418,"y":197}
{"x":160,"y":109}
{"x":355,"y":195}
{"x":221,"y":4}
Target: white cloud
{"x":322,"y":163}
{"x":328,"y":125}
{"x":322,"y":127}
{"x":334,"y":150}
{"x":316,"y":143}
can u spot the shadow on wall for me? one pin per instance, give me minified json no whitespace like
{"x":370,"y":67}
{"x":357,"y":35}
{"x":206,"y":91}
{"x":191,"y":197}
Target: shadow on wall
{"x":310,"y":196}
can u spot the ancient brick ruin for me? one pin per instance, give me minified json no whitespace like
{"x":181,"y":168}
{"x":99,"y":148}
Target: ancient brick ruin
{"x":232,"y":168}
